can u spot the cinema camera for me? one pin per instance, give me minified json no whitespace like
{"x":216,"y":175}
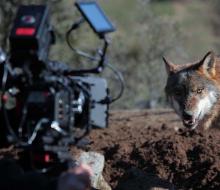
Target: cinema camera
{"x":45,"y":105}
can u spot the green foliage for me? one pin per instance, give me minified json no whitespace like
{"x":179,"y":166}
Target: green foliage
{"x":142,"y":40}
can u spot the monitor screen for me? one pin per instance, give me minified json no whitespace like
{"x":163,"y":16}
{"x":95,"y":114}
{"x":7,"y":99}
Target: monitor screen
{"x":95,"y":16}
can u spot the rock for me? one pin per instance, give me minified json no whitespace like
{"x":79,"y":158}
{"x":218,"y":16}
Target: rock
{"x":96,"y":161}
{"x":102,"y":184}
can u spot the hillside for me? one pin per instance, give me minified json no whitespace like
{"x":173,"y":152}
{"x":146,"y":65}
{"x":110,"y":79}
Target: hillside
{"x":181,"y":30}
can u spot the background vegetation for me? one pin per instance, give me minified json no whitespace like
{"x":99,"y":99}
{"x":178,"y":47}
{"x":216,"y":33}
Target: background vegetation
{"x":146,"y":30}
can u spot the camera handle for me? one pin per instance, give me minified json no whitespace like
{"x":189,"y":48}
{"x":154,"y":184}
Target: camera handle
{"x":102,"y":53}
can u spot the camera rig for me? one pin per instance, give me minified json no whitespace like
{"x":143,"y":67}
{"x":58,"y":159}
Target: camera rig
{"x":45,"y":105}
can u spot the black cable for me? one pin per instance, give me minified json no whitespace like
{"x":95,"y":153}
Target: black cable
{"x":120,"y":78}
{"x":7,"y":122}
{"x":79,"y":52}
{"x":23,"y":119}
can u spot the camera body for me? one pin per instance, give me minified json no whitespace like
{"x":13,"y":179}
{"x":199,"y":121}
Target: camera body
{"x":31,"y":35}
{"x":45,"y":106}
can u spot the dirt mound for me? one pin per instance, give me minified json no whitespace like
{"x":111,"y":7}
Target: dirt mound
{"x":145,"y":149}
{"x":187,"y":159}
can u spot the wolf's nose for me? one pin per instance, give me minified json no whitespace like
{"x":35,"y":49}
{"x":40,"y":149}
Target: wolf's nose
{"x":187,"y":115}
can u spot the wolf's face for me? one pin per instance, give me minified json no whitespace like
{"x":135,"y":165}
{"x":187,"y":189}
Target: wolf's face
{"x":191,"y":89}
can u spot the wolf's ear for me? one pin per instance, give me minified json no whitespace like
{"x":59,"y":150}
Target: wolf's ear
{"x":208,"y":63}
{"x":170,"y":67}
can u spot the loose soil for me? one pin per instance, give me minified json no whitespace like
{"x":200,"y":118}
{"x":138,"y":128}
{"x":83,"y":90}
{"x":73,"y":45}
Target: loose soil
{"x":148,"y":149}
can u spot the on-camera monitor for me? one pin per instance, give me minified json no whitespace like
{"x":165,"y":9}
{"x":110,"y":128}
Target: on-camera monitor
{"x":95,"y":16}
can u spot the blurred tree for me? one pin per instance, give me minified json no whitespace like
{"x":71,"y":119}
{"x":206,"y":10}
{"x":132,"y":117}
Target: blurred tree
{"x":7,"y":11}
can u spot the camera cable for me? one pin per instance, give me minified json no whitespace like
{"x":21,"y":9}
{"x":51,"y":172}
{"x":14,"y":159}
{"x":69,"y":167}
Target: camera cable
{"x":118,"y":77}
{"x":79,"y":52}
{"x":36,"y":129}
{"x":11,"y":132}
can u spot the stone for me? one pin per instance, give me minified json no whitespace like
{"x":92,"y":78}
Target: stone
{"x":96,"y":161}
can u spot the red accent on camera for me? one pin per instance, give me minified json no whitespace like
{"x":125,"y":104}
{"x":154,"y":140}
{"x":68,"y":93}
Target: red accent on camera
{"x":25,"y":31}
{"x":5,"y":98}
{"x":46,"y":158}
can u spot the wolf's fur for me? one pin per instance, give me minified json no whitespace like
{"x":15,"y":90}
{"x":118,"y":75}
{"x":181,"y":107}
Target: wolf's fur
{"x":193,"y":90}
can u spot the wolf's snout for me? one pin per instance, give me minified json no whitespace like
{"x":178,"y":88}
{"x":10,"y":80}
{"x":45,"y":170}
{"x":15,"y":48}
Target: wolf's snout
{"x":188,"y":119}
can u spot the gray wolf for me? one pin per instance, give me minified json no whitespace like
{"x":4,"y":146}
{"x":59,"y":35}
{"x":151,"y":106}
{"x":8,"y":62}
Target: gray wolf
{"x":193,"y":90}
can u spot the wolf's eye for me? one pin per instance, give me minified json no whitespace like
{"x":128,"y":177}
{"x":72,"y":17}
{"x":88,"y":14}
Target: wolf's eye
{"x":199,"y":91}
